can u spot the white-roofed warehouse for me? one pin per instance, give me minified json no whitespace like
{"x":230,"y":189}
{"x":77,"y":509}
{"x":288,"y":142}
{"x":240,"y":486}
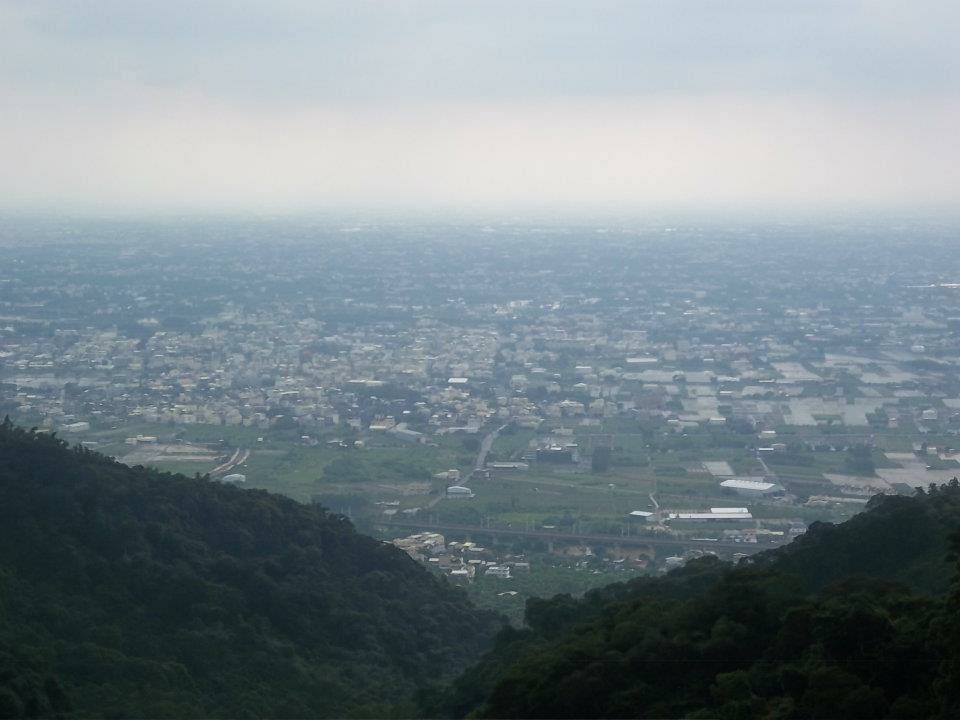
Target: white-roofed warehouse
{"x":750,"y":487}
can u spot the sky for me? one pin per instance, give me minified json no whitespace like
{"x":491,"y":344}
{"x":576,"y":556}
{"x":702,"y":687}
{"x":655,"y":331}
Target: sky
{"x":120,"y":106}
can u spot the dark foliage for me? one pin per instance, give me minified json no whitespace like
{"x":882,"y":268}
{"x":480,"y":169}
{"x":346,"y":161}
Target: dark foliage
{"x":126,"y":592}
{"x":600,"y":460}
{"x":816,"y":630}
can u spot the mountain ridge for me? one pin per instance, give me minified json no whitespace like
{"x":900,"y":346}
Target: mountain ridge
{"x":131,"y":592}
{"x":860,"y":620}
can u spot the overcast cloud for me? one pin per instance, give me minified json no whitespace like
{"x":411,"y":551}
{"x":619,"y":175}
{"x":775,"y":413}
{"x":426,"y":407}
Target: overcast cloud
{"x":265,"y":106}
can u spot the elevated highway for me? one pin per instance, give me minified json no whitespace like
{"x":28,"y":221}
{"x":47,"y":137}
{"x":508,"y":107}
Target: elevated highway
{"x":550,"y":536}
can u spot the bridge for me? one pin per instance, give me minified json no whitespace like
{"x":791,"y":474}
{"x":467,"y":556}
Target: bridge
{"x":550,"y":537}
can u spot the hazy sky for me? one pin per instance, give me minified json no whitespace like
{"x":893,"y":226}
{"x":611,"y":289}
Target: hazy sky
{"x":130,"y":105}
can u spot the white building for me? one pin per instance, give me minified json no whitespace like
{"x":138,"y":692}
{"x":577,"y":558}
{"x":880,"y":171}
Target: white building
{"x":459,"y":491}
{"x":749,"y":487}
{"x":76,"y":427}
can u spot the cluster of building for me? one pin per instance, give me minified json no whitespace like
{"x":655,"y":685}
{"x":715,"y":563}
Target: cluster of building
{"x":461,"y":561}
{"x":416,"y":333}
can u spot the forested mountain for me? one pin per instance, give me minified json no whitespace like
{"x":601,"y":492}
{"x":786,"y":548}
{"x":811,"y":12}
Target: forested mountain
{"x":129,"y":592}
{"x":859,"y":620}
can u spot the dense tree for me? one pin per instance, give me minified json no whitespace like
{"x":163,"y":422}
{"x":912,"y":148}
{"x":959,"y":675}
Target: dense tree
{"x":130,"y":592}
{"x":820,"y":628}
{"x":349,"y":468}
{"x":600,"y":459}
{"x":858,"y":461}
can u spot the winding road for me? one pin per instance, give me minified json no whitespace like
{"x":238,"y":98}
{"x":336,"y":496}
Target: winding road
{"x":486,"y":444}
{"x":239,"y":457}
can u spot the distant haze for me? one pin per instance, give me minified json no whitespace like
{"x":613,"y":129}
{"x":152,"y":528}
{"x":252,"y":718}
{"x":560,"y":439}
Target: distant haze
{"x":299,"y":106}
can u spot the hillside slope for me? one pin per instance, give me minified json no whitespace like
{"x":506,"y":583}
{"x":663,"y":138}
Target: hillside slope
{"x":129,"y":592}
{"x":818,"y":629}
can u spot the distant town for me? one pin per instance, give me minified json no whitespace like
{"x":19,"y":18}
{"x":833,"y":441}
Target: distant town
{"x":611,"y":398}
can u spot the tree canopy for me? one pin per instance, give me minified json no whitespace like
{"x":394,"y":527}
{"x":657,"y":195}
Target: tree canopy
{"x":131,"y":592}
{"x":857,"y":620}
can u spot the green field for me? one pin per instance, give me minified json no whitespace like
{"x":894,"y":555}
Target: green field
{"x":544,"y":580}
{"x":386,"y":469}
{"x":280,"y":462}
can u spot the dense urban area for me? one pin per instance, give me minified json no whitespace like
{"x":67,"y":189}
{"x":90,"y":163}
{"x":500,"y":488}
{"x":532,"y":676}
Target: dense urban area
{"x":525,"y":409}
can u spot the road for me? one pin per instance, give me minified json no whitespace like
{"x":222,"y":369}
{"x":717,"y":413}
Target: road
{"x":634,"y":540}
{"x":240,"y":456}
{"x":766,"y":468}
{"x":485,"y":446}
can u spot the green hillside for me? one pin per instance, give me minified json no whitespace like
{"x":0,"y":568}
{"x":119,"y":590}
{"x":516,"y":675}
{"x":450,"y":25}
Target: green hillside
{"x":133,"y":593}
{"x":126,"y":592}
{"x":857,"y":620}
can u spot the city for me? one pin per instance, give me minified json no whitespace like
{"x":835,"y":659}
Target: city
{"x":605,"y":399}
